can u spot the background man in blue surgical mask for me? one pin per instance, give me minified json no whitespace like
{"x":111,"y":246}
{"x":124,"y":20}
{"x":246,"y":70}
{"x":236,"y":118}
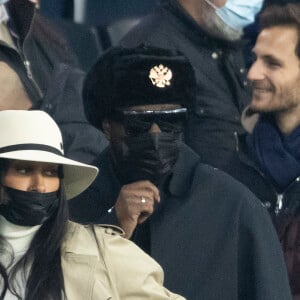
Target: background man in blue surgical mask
{"x":209,"y":33}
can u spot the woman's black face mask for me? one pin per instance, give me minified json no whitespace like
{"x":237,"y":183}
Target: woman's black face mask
{"x":28,"y":208}
{"x":143,"y":155}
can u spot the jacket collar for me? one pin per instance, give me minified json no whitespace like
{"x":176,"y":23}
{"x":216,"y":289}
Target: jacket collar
{"x":24,"y":12}
{"x":249,"y":119}
{"x":244,"y":153}
{"x":76,"y":239}
{"x":183,"y":171}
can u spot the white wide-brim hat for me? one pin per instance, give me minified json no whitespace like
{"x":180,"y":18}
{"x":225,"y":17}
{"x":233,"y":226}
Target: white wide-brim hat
{"x":34,"y":136}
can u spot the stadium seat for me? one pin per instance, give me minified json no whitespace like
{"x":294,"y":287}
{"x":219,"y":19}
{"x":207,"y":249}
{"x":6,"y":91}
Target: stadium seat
{"x":111,"y":34}
{"x":83,"y":40}
{"x":104,"y":12}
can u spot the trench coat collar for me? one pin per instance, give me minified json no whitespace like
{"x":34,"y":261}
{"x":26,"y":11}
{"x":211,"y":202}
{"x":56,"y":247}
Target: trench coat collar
{"x":77,"y":239}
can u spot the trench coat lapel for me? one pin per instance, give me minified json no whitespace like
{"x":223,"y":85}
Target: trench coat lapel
{"x":79,"y":263}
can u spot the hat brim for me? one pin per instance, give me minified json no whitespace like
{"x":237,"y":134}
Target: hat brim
{"x":77,"y":176}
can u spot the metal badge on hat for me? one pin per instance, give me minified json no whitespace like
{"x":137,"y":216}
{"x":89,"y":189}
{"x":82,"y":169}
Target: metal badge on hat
{"x":160,"y":76}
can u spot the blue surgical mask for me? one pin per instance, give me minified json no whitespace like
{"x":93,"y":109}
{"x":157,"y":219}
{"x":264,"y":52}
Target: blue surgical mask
{"x":237,"y":14}
{"x":3,"y":1}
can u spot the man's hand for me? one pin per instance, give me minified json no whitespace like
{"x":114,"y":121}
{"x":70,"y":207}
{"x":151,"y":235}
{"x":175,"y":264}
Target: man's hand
{"x":131,"y":209}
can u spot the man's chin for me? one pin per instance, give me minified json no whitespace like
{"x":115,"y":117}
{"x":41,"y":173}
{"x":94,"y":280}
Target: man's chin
{"x":258,"y":106}
{"x":260,"y":103}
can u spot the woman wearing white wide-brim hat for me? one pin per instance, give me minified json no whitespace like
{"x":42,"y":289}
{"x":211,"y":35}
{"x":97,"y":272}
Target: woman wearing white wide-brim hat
{"x":43,"y":255}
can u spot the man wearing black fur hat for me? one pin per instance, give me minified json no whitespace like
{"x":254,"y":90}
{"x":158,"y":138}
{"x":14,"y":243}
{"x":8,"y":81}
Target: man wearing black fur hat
{"x":212,"y":236}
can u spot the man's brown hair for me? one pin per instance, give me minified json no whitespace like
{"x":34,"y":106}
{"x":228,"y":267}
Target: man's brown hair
{"x":282,"y":15}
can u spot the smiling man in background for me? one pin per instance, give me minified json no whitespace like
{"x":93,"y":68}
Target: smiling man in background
{"x":268,"y":159}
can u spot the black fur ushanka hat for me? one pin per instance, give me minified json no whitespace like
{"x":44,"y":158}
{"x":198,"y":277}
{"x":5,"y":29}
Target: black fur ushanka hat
{"x":125,"y":77}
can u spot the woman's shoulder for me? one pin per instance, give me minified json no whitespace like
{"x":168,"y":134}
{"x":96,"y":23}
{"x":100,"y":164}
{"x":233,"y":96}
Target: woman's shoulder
{"x":107,"y":244}
{"x":87,"y":239}
{"x":106,"y":229}
{"x":118,"y":268}
{"x":105,"y":241}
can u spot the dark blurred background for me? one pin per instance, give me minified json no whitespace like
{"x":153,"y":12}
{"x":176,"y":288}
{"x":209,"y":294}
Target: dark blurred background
{"x":91,"y":26}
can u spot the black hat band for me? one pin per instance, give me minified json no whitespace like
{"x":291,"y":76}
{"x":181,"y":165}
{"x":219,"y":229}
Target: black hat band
{"x":40,"y":147}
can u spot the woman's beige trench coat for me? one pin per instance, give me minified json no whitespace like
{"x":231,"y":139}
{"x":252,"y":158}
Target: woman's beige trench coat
{"x":99,"y":264}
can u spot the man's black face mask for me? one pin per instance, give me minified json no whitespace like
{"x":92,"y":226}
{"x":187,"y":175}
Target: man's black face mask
{"x":143,"y":155}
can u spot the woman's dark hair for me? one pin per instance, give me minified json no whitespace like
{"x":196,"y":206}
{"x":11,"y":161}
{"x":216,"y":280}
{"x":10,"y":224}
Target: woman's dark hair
{"x":43,"y":258}
{"x":3,"y":273}
{"x":287,"y":14}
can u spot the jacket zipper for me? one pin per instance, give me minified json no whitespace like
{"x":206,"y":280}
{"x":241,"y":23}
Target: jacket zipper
{"x":280,"y":197}
{"x":30,"y":76}
{"x":279,"y":204}
{"x":27,"y":66}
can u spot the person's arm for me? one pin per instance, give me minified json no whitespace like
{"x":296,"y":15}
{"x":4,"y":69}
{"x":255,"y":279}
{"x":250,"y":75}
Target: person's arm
{"x":263,"y":275}
{"x":102,"y":203}
{"x":131,"y":272}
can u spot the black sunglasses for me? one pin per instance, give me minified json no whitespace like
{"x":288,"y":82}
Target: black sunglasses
{"x":138,"y":122}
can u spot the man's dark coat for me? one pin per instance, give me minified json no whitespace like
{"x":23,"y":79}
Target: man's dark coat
{"x":220,"y":71}
{"x":212,"y":237}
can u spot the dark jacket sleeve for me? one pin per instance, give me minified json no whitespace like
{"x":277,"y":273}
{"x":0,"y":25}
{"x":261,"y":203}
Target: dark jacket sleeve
{"x":260,"y":258}
{"x":94,"y":204}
